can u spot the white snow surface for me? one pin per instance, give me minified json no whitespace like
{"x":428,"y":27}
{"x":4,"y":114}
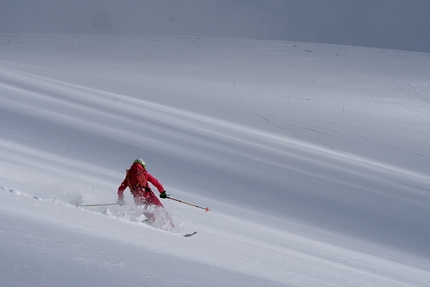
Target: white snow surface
{"x":313,"y":160}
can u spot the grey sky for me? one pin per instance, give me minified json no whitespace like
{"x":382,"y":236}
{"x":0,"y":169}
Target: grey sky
{"x":398,"y":24}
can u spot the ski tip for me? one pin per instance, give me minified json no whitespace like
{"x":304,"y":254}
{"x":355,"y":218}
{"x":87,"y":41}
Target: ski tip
{"x":189,"y":234}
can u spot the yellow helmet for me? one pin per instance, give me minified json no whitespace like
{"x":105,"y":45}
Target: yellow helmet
{"x":140,"y":161}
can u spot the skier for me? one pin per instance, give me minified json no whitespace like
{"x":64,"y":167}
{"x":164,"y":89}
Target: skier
{"x":137,"y":179}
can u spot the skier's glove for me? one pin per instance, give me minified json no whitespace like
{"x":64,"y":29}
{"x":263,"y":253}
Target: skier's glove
{"x":120,"y":201}
{"x":163,"y":194}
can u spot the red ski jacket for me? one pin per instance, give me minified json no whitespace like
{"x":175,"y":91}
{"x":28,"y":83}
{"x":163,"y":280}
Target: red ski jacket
{"x":137,"y":192}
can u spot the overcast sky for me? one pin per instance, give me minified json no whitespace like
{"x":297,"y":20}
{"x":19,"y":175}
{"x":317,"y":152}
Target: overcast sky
{"x":398,"y":24}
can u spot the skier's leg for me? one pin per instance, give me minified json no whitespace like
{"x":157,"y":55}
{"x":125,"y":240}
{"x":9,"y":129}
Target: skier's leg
{"x":146,"y":207}
{"x":161,"y":211}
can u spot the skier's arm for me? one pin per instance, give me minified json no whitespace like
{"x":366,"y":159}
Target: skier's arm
{"x":154,"y":182}
{"x":121,"y":189}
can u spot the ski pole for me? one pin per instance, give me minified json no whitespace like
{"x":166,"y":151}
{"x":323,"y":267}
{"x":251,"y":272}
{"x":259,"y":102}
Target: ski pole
{"x":100,"y":204}
{"x":178,"y":200}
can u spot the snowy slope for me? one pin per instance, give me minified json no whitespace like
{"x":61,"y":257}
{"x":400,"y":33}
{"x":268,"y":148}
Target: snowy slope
{"x":313,"y":160}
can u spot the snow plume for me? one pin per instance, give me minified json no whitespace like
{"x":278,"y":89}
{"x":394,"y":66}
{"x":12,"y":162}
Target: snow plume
{"x":156,"y":217}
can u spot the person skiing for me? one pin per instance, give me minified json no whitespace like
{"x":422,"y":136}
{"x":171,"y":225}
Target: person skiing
{"x":137,"y":179}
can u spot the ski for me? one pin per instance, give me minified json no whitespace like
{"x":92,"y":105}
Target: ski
{"x":189,"y":234}
{"x":147,"y":222}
